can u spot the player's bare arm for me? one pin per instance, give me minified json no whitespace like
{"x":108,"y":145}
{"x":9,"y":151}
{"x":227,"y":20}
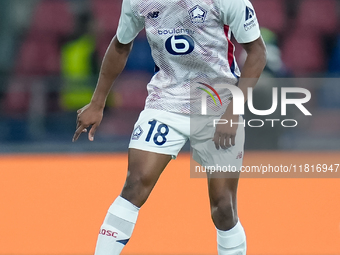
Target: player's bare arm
{"x":256,"y":60}
{"x":113,"y":64}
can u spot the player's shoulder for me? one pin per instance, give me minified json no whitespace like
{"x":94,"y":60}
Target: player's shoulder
{"x":230,"y":4}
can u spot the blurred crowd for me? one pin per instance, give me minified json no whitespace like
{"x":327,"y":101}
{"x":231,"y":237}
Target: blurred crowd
{"x":51,"y":50}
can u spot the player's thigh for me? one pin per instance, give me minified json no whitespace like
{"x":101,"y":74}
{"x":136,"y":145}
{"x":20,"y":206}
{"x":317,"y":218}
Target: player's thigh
{"x":223,"y":190}
{"x":223,"y":166}
{"x":145,"y":166}
{"x":144,"y":169}
{"x":154,"y":142}
{"x":219,"y":163}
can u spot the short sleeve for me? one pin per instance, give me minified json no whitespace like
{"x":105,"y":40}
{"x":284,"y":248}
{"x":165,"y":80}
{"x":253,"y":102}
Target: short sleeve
{"x":129,"y":24}
{"x":240,"y":16}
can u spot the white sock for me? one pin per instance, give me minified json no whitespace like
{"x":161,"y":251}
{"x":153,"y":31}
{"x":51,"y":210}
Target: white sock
{"x":232,"y":242}
{"x":117,"y":227}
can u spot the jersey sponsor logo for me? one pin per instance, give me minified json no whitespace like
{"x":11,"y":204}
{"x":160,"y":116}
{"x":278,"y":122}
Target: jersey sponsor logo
{"x":251,"y":24}
{"x":180,"y":44}
{"x":153,"y":15}
{"x":137,"y":133}
{"x":105,"y":232}
{"x":197,"y":14}
{"x":249,"y":13}
{"x":175,"y":31}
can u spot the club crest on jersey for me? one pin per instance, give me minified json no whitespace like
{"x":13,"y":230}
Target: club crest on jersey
{"x":249,"y":13}
{"x":197,"y":14}
{"x":137,"y":133}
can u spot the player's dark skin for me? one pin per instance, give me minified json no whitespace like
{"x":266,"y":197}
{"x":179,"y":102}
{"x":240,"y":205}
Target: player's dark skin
{"x":144,"y":168}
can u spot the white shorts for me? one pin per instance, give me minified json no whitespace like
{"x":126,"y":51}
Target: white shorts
{"x":166,"y":133}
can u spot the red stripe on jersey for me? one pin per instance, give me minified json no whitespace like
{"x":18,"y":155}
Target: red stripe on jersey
{"x":230,"y":49}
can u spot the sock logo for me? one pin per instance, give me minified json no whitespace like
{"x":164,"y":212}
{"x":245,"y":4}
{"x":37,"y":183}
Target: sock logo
{"x":105,"y":232}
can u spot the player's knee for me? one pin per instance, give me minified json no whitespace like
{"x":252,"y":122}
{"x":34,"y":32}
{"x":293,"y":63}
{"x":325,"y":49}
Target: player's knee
{"x":137,"y":187}
{"x":223,"y":212}
{"x":222,"y":206}
{"x":141,"y":179}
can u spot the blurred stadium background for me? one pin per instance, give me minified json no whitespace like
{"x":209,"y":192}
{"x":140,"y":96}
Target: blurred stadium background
{"x":51,"y":50}
{"x":50,"y":54}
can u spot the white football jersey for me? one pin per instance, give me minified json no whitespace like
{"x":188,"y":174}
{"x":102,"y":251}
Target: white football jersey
{"x":191,"y":47}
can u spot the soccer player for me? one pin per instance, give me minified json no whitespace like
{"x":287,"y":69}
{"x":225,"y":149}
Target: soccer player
{"x":191,"y":47}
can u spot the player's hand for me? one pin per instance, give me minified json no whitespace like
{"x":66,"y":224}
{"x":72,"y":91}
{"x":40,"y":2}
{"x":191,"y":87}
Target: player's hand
{"x":225,"y":134}
{"x":89,"y":115}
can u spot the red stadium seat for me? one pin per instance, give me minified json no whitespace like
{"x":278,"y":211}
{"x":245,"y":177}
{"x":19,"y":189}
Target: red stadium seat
{"x":303,"y":54}
{"x":321,"y":15}
{"x":130,"y":90}
{"x":53,"y":17}
{"x":18,"y":96}
{"x":107,"y":14}
{"x":271,"y":14}
{"x":119,"y":122}
{"x":129,"y":94}
{"x":102,"y":45}
{"x":317,"y":123}
{"x":39,"y":56}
